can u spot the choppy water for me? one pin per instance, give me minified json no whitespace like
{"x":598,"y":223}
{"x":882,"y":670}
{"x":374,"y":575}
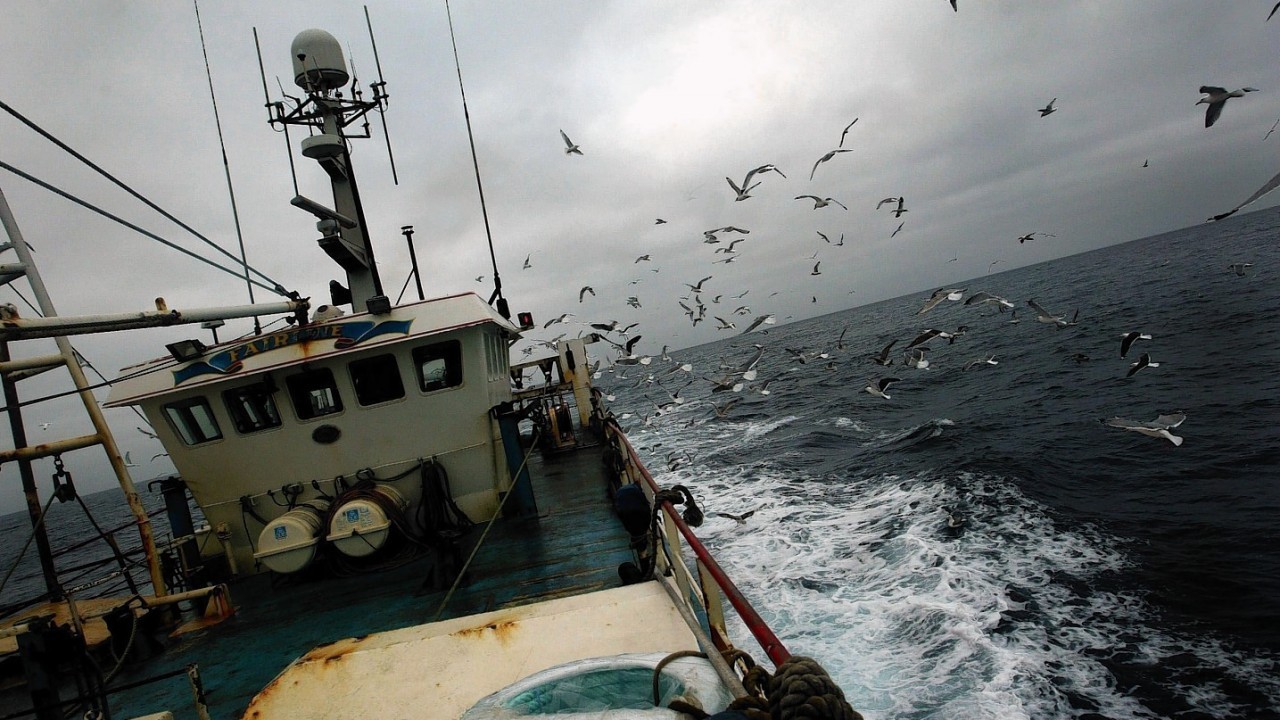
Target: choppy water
{"x":1097,"y":572}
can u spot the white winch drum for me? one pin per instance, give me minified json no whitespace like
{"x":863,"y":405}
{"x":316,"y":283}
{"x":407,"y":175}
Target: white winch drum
{"x":361,"y":526}
{"x":288,"y":543}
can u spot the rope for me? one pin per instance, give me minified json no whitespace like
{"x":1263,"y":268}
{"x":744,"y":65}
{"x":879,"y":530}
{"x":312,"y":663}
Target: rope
{"x":27,"y":544}
{"x":461,"y":573}
{"x":800,"y":690}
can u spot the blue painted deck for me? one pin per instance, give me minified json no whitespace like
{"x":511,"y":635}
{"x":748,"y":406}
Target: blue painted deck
{"x":573,"y":546}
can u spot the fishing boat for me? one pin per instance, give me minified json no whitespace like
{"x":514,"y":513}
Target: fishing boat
{"x":377,"y":514}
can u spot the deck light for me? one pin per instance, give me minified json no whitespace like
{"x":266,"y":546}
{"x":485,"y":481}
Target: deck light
{"x":185,"y":350}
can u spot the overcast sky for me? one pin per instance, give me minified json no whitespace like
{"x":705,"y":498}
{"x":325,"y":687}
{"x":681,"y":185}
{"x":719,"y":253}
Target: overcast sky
{"x":665,"y":99}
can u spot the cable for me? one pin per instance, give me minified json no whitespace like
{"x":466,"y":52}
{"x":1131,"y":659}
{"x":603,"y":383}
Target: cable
{"x":277,"y":288}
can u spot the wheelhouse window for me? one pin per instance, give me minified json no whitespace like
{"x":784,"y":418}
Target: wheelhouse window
{"x":252,"y":408}
{"x":439,"y":365}
{"x":193,"y":420}
{"x":314,"y":394}
{"x":376,"y":379}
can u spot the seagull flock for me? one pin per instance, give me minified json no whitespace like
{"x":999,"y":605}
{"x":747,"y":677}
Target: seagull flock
{"x":704,"y":301}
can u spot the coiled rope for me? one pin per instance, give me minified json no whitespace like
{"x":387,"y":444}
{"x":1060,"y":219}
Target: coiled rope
{"x":800,"y":690}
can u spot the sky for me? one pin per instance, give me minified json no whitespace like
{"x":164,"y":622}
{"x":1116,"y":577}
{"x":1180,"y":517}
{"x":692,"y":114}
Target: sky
{"x":666,"y":100}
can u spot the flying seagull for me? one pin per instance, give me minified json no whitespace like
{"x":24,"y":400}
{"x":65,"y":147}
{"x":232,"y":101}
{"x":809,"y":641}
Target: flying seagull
{"x":642,"y":258}
{"x":939,"y":295}
{"x":1273,"y":11}
{"x":981,"y":361}
{"x":1047,"y":317}
{"x":1216,"y":98}
{"x":825,"y":158}
{"x":526,"y":262}
{"x":743,"y":192}
{"x":1157,"y":428}
{"x":1028,"y":236}
{"x":1048,"y":109}
{"x":569,"y":147}
{"x":1143,"y":362}
{"x":585,"y":289}
{"x":659,"y":221}
{"x":1239,"y":268}
{"x":883,"y":357}
{"x":895,"y":232}
{"x":821,"y":202}
{"x":815,"y":268}
{"x":762,"y":320}
{"x":1127,"y":340}
{"x":897,"y":212}
{"x":886,"y":201}
{"x":1270,"y":185}
{"x":983,"y":297}
{"x":846,"y":132}
{"x":879,"y":388}
{"x":741,"y":519}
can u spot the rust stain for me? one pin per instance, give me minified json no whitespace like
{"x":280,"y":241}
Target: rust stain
{"x":502,"y":630}
{"x":334,"y":651}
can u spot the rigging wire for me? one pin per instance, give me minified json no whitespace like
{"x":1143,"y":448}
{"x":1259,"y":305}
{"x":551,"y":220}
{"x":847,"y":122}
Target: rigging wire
{"x":275,"y":288}
{"x":497,"y":281}
{"x":46,"y":135}
{"x":226,"y":165}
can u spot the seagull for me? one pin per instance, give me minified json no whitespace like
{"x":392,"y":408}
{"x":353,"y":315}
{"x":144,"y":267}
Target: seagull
{"x":1143,"y":362}
{"x":983,"y":298}
{"x":895,"y":232}
{"x":560,"y":319}
{"x":642,"y":258}
{"x":879,"y":388}
{"x":1028,"y":236}
{"x":886,"y":201}
{"x":897,"y":212}
{"x":981,"y":361}
{"x":659,"y":221}
{"x":953,"y":6}
{"x":148,"y":433}
{"x":741,"y":519}
{"x":128,"y":462}
{"x":1273,"y":11}
{"x":1216,"y":98}
{"x":1047,"y":317}
{"x":1127,"y":340}
{"x":1239,"y":268}
{"x":767,"y":167}
{"x":762,"y":320}
{"x":825,"y":158}
{"x":698,"y":288}
{"x":815,"y":268}
{"x":931,"y":333}
{"x":915,"y":358}
{"x":939,"y":295}
{"x":585,"y":289}
{"x":1147,"y":162}
{"x":569,"y":147}
{"x":846,"y":132}
{"x":1159,"y":427}
{"x":992,"y":265}
{"x":722,"y":411}
{"x":1048,"y":109}
{"x":883,"y":357}
{"x":45,"y":426}
{"x":725,"y":324}
{"x":821,"y":202}
{"x":526,"y":262}
{"x":743,"y":192}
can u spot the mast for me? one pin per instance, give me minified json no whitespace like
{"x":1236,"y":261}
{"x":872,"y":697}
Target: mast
{"x":320,"y":70}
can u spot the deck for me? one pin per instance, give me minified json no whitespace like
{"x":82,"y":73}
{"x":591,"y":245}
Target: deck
{"x":574,"y":545}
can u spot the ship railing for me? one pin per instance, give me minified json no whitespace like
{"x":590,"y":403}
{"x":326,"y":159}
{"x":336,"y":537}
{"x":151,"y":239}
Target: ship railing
{"x":705,"y":587}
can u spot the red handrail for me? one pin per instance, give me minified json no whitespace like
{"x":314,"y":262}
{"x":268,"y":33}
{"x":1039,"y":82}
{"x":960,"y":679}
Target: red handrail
{"x":772,"y":646}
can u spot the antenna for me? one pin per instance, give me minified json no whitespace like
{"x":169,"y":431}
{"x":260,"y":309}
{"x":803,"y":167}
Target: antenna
{"x":503,"y":310}
{"x":380,"y":96}
{"x":279,"y":110}
{"x":226,"y":165}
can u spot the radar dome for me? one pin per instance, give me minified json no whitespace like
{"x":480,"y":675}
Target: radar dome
{"x":318,"y":63}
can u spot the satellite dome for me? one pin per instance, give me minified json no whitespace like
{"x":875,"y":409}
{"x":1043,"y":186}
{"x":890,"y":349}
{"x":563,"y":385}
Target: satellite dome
{"x":318,"y":63}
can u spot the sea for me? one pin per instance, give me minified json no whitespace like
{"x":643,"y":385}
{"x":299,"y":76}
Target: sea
{"x":982,"y":544}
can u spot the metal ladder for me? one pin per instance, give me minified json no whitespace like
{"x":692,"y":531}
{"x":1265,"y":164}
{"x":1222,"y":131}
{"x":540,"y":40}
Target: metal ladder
{"x":12,"y":371}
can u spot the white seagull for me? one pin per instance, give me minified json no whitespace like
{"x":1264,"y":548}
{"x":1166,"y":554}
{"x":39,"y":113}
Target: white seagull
{"x":1157,"y":428}
{"x":1143,"y":362}
{"x":1216,"y":98}
{"x":1048,"y":109}
{"x":825,"y":158}
{"x":1127,"y":340}
{"x":821,"y":202}
{"x":569,"y":147}
{"x":939,"y":295}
